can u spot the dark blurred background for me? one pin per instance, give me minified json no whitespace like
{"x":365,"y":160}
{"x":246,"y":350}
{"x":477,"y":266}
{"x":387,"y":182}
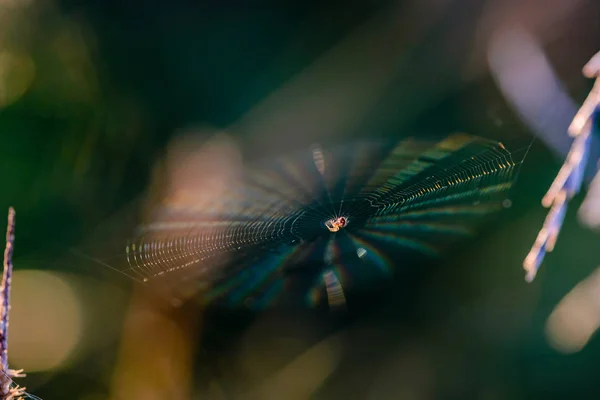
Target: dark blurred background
{"x":91,"y":95}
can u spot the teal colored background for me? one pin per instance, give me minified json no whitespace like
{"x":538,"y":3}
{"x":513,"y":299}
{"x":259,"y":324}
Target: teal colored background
{"x":74,"y":157}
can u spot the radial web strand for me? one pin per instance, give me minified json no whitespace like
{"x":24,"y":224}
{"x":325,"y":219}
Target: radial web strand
{"x":302,"y":228}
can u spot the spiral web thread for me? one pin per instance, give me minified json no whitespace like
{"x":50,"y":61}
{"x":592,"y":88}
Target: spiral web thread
{"x":414,"y":195}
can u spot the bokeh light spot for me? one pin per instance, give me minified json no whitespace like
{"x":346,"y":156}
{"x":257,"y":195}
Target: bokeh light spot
{"x":46,"y":320}
{"x":576,"y":318}
{"x":16,"y":75}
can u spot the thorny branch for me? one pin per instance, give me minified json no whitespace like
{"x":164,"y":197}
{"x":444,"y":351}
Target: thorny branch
{"x":8,"y":391}
{"x":569,"y":180}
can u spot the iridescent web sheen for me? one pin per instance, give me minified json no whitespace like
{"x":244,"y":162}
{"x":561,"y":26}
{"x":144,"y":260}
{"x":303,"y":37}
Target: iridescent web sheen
{"x":266,"y":241}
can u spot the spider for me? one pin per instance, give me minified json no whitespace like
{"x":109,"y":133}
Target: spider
{"x":335,"y":224}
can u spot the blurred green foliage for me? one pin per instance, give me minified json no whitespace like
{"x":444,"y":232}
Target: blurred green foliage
{"x":114,"y":81}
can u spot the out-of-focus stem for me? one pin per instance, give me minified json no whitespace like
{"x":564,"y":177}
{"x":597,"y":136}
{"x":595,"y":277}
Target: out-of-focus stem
{"x":7,"y":390}
{"x":569,"y":180}
{"x":5,"y":289}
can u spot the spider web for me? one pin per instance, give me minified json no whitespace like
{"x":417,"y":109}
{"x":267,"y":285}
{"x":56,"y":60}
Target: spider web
{"x":263,"y":241}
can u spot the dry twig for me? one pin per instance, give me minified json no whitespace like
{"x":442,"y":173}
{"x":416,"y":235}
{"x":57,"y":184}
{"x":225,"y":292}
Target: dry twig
{"x":8,"y":391}
{"x":569,"y":180}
